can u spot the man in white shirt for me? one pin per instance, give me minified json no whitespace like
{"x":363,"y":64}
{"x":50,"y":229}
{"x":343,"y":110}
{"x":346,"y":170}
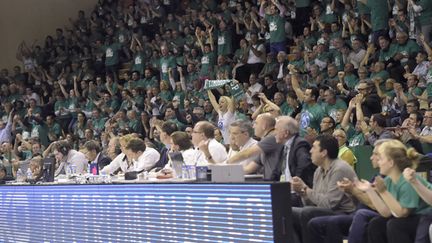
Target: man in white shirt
{"x":203,"y":139}
{"x":126,"y":164}
{"x":426,"y":134}
{"x":66,"y":156}
{"x":93,"y":154}
{"x":256,"y":54}
{"x":241,"y":133}
{"x":357,"y":54}
{"x":254,"y":88}
{"x":143,"y":158}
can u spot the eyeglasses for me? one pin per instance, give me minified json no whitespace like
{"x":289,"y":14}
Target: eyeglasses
{"x":338,"y":136}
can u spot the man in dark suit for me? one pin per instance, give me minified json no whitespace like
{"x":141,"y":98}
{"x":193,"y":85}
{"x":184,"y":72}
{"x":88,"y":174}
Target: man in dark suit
{"x":92,"y":151}
{"x":295,"y":159}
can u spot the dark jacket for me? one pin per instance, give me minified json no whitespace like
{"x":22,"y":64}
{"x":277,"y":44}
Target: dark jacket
{"x":103,"y":161}
{"x":300,"y":162}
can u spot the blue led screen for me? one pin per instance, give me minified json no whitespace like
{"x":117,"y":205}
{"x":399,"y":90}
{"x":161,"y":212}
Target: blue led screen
{"x":136,"y":213}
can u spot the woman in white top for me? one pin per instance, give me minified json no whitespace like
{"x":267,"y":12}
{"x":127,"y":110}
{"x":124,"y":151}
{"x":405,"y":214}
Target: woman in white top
{"x":225,"y":109}
{"x":183,"y":144}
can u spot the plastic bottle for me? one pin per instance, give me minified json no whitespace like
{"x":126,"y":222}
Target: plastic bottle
{"x":19,"y":175}
{"x":29,"y":174}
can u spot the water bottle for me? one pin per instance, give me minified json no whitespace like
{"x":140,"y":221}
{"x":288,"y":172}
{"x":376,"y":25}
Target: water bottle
{"x":88,"y":168}
{"x":68,"y":169}
{"x":73,"y":169}
{"x":185,"y":172}
{"x":20,"y":176}
{"x":29,"y":174}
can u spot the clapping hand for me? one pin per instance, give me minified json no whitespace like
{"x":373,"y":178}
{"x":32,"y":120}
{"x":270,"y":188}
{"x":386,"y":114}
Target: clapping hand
{"x":379,"y":184}
{"x":363,"y":185}
{"x":297,"y":184}
{"x":410,"y":175}
{"x":345,"y":185}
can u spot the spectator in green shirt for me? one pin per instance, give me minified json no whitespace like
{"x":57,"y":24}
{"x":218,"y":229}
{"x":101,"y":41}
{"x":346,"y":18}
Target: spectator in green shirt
{"x":112,"y":52}
{"x":423,"y":10}
{"x":394,"y":198}
{"x":276,"y":24}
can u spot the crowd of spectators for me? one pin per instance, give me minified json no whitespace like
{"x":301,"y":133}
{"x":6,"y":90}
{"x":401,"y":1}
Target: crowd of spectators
{"x":127,"y":83}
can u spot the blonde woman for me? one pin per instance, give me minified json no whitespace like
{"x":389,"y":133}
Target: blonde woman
{"x":394,"y":198}
{"x":225,"y":109}
{"x":424,"y":189}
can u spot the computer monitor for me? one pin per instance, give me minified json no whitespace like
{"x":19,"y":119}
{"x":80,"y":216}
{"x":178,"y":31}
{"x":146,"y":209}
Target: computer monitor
{"x":177,"y":163}
{"x":49,"y":169}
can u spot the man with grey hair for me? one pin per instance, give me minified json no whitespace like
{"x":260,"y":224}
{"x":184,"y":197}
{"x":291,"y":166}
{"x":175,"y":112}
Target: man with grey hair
{"x":241,"y":133}
{"x":295,"y":159}
{"x":265,"y":153}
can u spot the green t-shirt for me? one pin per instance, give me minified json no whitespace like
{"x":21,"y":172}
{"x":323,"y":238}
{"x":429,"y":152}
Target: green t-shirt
{"x":357,"y":139}
{"x":425,"y":17}
{"x":385,"y":55}
{"x":99,"y":124}
{"x":406,"y":195}
{"x":351,"y":80}
{"x":180,"y":95}
{"x":276,"y":27}
{"x":325,"y":56}
{"x":383,"y":74}
{"x":311,"y":116}
{"x":337,"y":59}
{"x":139,"y":101}
{"x":113,"y":104}
{"x":331,"y":110}
{"x":224,"y":43}
{"x":299,"y":64}
{"x":138,"y":62}
{"x":173,"y":25}
{"x":208,"y":60}
{"x":410,"y":48}
{"x":166,"y":95}
{"x":379,"y":14}
{"x":310,"y":41}
{"x":239,"y":54}
{"x":223,"y":69}
{"x":147,"y":83}
{"x":362,"y":8}
{"x":114,"y":87}
{"x":133,"y":125}
{"x":328,"y":18}
{"x":165,"y":63}
{"x":55,"y":129}
{"x":416,"y":90}
{"x":112,"y":54}
{"x":429,"y":89}
{"x":178,"y":42}
{"x":302,"y":3}
{"x":129,"y":85}
{"x":60,"y":104}
{"x":123,"y":37}
{"x":286,"y":110}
